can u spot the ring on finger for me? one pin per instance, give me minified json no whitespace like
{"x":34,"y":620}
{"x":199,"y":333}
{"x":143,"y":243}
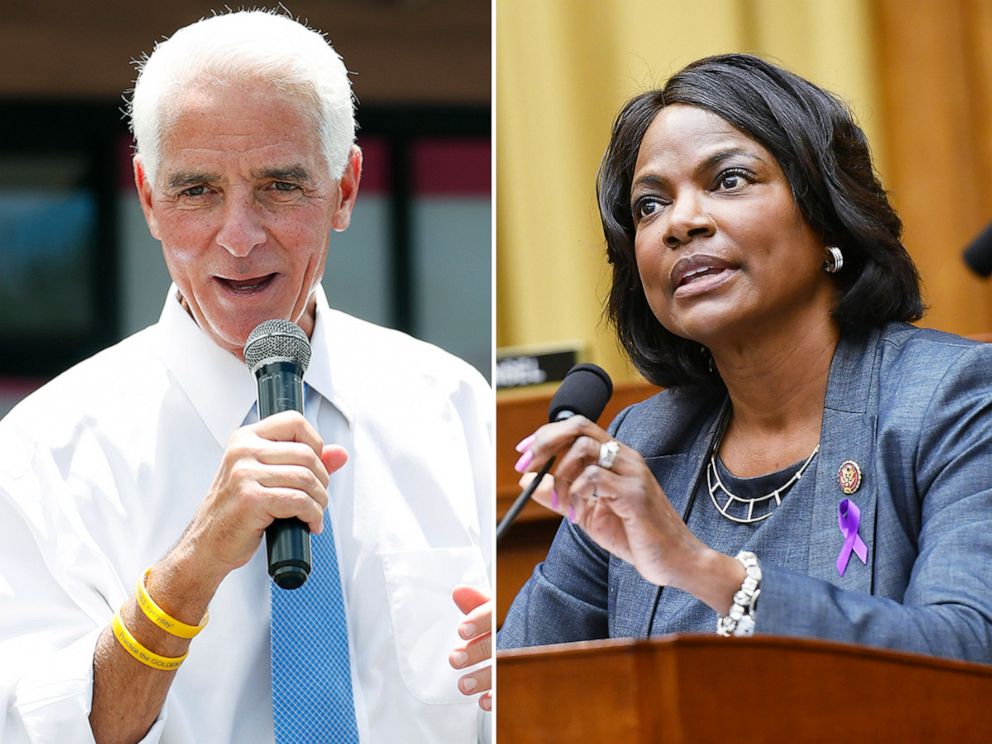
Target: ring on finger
{"x":608,"y":454}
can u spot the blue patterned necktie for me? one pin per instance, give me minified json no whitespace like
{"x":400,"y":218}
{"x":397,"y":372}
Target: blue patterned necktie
{"x":312,"y":699}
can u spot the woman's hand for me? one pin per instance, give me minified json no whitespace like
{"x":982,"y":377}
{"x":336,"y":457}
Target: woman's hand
{"x":625,"y":511}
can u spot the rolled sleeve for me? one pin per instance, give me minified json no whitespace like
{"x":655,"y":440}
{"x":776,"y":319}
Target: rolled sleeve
{"x":49,"y":623}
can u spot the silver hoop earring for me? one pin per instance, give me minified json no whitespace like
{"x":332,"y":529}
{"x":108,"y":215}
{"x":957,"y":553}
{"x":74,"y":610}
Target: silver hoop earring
{"x":836,"y":261}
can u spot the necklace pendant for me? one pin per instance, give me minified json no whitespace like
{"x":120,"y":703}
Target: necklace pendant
{"x":742,"y":510}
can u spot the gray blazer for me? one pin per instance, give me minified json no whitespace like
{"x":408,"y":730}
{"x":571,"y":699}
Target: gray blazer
{"x":914,"y":408}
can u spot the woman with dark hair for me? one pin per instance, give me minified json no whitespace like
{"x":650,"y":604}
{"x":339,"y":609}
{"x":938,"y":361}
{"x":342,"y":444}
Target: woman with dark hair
{"x":816,"y":466}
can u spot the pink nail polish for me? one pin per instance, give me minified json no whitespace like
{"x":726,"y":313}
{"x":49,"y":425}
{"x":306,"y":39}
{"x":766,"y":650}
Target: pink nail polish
{"x":525,"y":443}
{"x":554,"y":499}
{"x":524,"y":461}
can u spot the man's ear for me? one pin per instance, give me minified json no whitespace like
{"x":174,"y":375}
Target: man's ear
{"x":348,"y":189}
{"x":144,"y":187}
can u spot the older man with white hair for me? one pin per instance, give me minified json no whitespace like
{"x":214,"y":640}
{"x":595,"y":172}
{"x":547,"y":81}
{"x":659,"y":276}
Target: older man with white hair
{"x":135,"y":489}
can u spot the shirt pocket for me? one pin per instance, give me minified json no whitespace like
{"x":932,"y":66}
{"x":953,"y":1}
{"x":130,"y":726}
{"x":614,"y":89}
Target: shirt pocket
{"x":425,"y":619}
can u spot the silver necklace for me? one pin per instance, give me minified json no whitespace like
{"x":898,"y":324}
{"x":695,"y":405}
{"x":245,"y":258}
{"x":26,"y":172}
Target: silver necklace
{"x":735,"y":503}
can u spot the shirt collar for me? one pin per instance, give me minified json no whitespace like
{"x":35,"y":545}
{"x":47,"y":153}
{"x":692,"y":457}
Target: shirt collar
{"x":327,"y":373}
{"x":217,"y":383}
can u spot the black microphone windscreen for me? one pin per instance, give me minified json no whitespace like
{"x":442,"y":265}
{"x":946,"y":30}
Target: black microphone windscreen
{"x":277,"y":341}
{"x":585,"y":390}
{"x":978,"y":255}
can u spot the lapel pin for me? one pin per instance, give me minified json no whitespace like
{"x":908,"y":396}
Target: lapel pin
{"x":849,"y":477}
{"x":849,"y":520}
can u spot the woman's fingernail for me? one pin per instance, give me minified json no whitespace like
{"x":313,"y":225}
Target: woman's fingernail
{"x":458,"y":658}
{"x":469,"y":684}
{"x":525,"y":443}
{"x":467,"y":631}
{"x":524,"y":461}
{"x":571,"y":514}
{"x":554,"y":499}
{"x":486,"y":701}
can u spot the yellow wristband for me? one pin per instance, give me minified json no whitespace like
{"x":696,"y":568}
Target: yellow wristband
{"x":139,"y":652}
{"x":161,"y":618}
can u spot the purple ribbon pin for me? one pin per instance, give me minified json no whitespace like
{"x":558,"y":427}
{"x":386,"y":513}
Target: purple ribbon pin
{"x":849,"y":519}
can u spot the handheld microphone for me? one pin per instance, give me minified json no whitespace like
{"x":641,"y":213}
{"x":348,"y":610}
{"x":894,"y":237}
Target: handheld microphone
{"x":278,"y":352}
{"x":585,"y":391}
{"x":978,"y":255}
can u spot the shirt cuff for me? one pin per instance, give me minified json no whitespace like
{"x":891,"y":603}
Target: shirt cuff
{"x":52,"y":702}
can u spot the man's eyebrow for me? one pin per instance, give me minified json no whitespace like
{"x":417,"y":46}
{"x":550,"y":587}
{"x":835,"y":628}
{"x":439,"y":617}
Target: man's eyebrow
{"x":190,"y":178}
{"x":296,"y":173}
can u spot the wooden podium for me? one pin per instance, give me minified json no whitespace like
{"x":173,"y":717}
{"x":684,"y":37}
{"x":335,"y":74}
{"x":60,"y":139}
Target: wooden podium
{"x":701,"y":688}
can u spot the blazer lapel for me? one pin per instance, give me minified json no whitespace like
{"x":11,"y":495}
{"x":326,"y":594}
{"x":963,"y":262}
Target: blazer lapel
{"x":678,"y":474}
{"x":847,"y":434}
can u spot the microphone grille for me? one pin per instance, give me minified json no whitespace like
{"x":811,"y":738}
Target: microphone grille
{"x":277,"y":341}
{"x":978,"y":255}
{"x":585,"y":390}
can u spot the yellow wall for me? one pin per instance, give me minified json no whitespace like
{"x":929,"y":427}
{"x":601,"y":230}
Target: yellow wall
{"x":935,"y":67}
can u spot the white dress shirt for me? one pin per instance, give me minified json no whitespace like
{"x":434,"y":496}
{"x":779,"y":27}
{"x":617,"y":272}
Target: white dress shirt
{"x":103,"y":468}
